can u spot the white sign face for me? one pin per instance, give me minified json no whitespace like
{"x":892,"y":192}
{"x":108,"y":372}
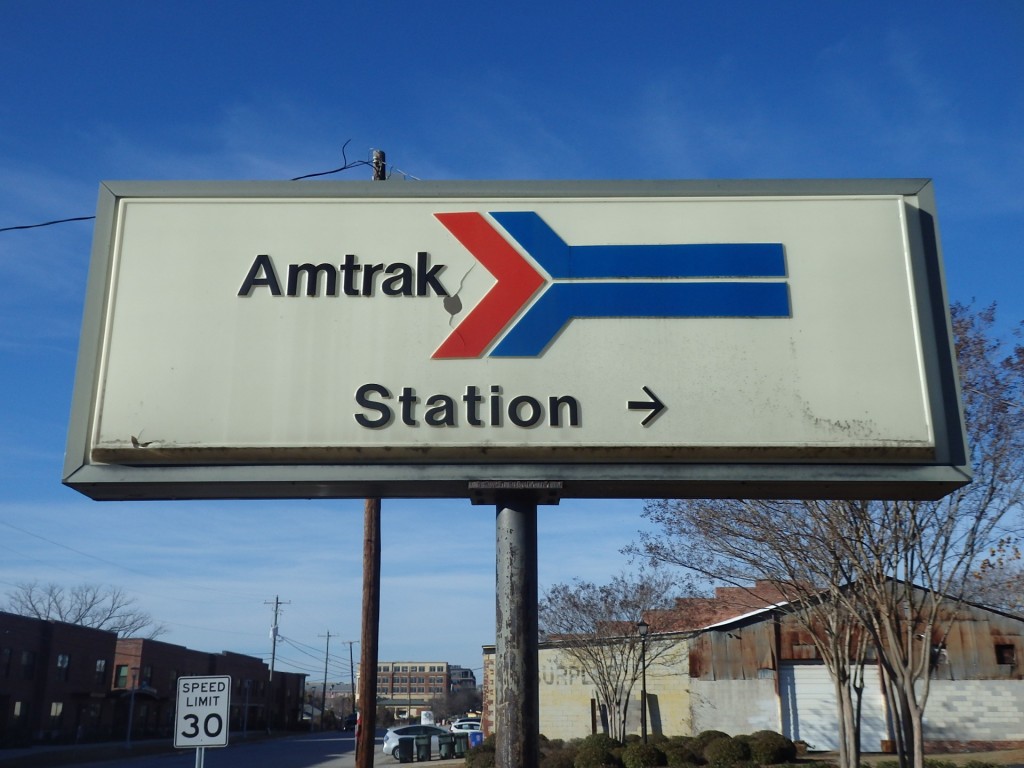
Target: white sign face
{"x":202,"y":715}
{"x":512,"y":329}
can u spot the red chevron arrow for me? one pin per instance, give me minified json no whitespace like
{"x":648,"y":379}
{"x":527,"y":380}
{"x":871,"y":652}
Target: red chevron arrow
{"x":517,"y":281}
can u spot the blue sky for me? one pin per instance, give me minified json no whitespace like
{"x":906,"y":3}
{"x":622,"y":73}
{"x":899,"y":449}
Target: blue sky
{"x":121,"y":89}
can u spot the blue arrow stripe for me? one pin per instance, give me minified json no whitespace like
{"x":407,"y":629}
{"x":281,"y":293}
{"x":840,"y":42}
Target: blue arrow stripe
{"x":562,"y":302}
{"x":562,"y":261}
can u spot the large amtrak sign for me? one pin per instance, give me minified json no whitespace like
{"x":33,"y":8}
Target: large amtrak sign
{"x":638,"y":339}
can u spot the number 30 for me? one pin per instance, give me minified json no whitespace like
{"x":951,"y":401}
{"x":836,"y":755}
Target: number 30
{"x":213,"y":724}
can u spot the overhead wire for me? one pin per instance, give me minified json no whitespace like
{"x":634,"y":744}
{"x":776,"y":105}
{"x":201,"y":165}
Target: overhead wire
{"x":46,"y":223}
{"x":345,"y":166}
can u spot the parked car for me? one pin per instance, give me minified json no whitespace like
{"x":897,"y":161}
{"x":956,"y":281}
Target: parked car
{"x":393,"y":734}
{"x":349,"y":723}
{"x":465,"y":726}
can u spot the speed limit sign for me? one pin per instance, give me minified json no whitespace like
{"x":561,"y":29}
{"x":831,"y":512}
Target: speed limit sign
{"x":202,"y":712}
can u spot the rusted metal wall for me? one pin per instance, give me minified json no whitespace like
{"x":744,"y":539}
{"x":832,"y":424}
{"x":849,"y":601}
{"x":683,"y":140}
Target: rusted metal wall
{"x":980,"y":645}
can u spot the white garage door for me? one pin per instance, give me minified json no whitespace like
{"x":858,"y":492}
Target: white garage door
{"x":809,"y":708}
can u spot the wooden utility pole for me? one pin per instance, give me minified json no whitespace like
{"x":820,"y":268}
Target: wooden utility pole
{"x":368,"y":650}
{"x":371,"y":599}
{"x":323,"y":696}
{"x":273,"y":656}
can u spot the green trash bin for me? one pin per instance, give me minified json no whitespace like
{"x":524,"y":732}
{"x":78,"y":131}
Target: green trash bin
{"x":461,"y":744}
{"x":446,"y":746}
{"x":404,"y":750}
{"x":422,"y":748}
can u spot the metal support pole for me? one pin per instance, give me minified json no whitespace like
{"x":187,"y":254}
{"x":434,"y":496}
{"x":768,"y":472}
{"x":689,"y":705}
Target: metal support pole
{"x":517,"y":714}
{"x":643,"y":687}
{"x":131,"y":705}
{"x":643,"y":628}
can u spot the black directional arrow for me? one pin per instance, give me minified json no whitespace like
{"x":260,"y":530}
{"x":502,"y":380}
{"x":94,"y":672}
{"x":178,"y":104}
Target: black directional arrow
{"x":654,"y":405}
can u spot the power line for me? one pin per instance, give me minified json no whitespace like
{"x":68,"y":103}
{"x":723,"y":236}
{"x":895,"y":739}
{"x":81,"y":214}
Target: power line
{"x":345,"y":166}
{"x":46,"y":223}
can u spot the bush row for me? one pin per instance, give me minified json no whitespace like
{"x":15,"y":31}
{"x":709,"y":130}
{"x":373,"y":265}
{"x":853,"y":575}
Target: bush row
{"x":713,"y":749}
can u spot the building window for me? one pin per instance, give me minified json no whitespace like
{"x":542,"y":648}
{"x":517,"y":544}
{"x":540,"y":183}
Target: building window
{"x":147,"y":675}
{"x":28,"y":665}
{"x":63,"y":663}
{"x":101,"y":672}
{"x":121,"y":676}
{"x":1006,"y":654}
{"x":56,"y":708}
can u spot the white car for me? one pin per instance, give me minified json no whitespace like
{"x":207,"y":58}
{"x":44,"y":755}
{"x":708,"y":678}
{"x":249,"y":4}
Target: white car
{"x":394,"y":734}
{"x":465,"y":726}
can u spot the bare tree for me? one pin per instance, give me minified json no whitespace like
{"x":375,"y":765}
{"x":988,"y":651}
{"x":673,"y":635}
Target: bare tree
{"x":788,"y":546}
{"x":889,"y":566}
{"x":88,"y":605}
{"x":998,"y":582}
{"x":597,"y":626}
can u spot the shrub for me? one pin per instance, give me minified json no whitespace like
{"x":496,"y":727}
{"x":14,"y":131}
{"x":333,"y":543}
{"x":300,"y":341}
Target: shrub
{"x":640,"y":755}
{"x":596,"y":755}
{"x":682,"y":752}
{"x":726,"y":752}
{"x":770,"y":748}
{"x":558,"y":758}
{"x":704,"y":738}
{"x":482,"y":755}
{"x":600,"y":740}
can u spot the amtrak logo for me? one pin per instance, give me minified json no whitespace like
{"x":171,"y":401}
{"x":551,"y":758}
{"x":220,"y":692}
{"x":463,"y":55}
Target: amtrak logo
{"x":589,"y":281}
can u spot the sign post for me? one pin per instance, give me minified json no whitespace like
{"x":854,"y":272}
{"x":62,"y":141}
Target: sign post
{"x":513,"y":343}
{"x":202,"y":714}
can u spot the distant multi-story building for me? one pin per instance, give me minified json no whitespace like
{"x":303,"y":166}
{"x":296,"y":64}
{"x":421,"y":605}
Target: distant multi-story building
{"x":406,"y":687}
{"x":462,"y":679}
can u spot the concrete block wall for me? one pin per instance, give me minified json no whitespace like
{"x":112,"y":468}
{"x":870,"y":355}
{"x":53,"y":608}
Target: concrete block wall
{"x":566,"y":696}
{"x":975,"y":710}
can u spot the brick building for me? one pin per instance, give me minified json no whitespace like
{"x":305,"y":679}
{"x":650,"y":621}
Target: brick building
{"x":66,"y":683}
{"x":54,"y":680}
{"x":407,"y":687}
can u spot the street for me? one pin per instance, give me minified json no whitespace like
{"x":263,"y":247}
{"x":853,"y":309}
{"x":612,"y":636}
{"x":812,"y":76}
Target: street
{"x":315,"y":750}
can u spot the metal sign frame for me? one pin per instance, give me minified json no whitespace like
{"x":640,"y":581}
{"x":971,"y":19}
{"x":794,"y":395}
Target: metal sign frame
{"x":609,"y":473}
